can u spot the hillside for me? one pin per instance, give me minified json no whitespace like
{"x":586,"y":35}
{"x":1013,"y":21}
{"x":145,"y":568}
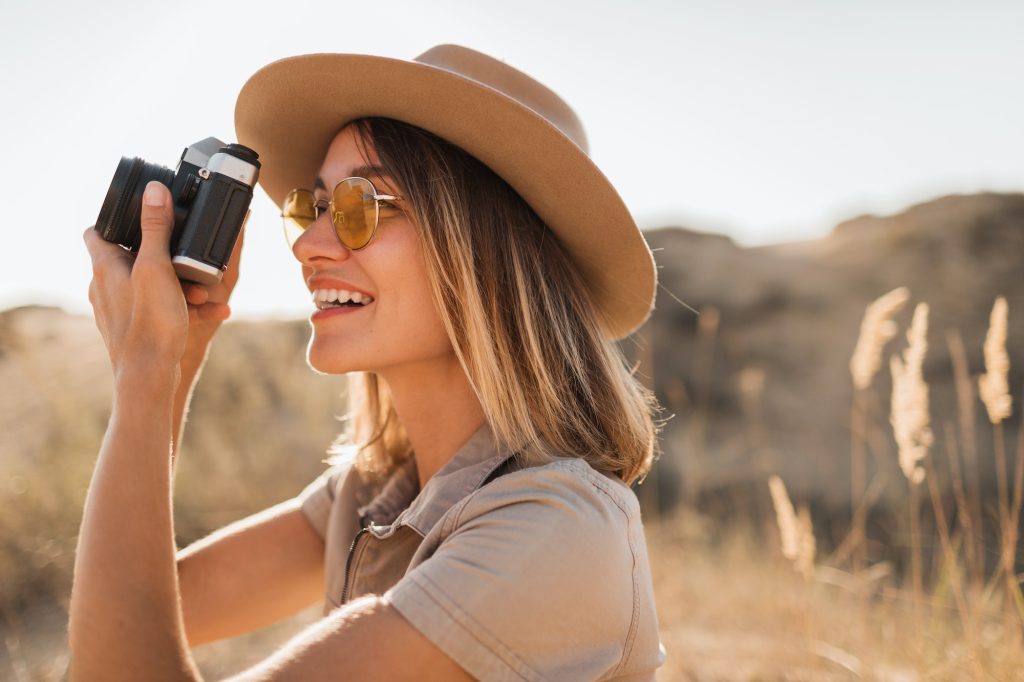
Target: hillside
{"x":793,"y":312}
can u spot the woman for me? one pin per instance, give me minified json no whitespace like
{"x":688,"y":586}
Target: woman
{"x":471,"y":268}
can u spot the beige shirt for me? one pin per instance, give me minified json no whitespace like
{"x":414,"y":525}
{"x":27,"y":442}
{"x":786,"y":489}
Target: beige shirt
{"x":516,"y":573}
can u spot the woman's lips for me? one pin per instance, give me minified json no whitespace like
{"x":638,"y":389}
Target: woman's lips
{"x":327,"y":282}
{"x":337,"y":310}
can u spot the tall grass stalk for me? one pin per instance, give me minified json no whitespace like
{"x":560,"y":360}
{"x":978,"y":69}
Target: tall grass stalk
{"x":993,"y":387}
{"x":963,"y":509}
{"x":876,"y":330}
{"x":911,"y":427}
{"x":796,"y":531}
{"x":1015,"y":510}
{"x":968,"y":619}
{"x":965,"y":398}
{"x":858,"y":428}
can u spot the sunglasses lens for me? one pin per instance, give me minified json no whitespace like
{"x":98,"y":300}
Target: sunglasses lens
{"x":355,"y":212}
{"x":298,"y":213}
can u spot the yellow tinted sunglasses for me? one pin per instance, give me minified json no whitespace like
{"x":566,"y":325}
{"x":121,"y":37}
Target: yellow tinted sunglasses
{"x":354,"y":207}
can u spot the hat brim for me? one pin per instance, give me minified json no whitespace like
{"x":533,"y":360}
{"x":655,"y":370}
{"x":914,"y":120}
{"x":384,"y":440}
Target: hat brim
{"x":290,"y":110}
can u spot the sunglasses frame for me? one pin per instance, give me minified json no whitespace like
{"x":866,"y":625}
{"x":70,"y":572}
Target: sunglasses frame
{"x":321,"y":205}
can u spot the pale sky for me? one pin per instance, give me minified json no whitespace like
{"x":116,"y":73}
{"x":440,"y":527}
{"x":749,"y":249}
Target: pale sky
{"x":766,"y":121}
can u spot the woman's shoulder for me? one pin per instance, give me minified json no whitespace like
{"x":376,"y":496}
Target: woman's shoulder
{"x":549,"y":562}
{"x":565,"y":493}
{"x":567,"y":477}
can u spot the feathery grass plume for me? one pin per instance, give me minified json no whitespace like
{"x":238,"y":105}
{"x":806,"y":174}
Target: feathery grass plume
{"x":796,"y":532}
{"x":804,"y":561}
{"x":992,"y":385}
{"x":910,"y":420}
{"x":876,"y":329}
{"x":786,"y":518}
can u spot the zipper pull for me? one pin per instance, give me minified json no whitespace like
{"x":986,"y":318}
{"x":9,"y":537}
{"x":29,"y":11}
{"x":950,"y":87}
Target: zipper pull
{"x":348,"y":563}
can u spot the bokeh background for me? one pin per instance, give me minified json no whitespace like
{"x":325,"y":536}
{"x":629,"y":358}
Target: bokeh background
{"x":791,"y":162}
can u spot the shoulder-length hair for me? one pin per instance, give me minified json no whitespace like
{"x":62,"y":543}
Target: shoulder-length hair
{"x":518,"y":315}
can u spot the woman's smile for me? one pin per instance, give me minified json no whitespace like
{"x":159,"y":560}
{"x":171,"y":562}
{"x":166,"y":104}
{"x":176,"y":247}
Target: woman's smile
{"x":333,"y":296}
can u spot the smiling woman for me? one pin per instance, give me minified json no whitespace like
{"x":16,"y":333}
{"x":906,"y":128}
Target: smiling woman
{"x":470,"y":270}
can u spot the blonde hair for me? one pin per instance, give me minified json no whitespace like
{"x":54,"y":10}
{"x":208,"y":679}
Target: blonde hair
{"x":518,"y":315}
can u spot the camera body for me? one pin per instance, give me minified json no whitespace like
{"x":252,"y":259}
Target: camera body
{"x":211,"y":190}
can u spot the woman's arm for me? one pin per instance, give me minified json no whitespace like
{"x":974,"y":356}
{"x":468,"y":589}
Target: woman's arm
{"x":125,"y":615}
{"x":125,"y":619}
{"x":275,"y":554}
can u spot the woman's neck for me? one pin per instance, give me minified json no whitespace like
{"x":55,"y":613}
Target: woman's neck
{"x":438,"y":408}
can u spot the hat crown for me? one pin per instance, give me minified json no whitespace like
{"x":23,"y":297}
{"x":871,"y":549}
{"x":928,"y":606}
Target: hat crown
{"x":510,"y":82}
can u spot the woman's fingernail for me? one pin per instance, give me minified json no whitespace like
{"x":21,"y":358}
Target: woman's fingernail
{"x":153,"y":196}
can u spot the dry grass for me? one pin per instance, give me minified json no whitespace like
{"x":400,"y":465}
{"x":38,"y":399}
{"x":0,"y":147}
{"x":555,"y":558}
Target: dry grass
{"x":958,"y":607}
{"x":731,"y":605}
{"x":732,"y":608}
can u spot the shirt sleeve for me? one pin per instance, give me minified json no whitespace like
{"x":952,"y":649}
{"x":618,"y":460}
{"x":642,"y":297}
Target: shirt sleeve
{"x":534,"y":579}
{"x":316,"y":498}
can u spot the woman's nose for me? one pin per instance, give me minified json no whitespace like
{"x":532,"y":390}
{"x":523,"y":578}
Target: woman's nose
{"x":319,"y":242}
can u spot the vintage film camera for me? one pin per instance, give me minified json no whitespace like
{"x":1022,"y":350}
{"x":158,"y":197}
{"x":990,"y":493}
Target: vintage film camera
{"x":211,"y":190}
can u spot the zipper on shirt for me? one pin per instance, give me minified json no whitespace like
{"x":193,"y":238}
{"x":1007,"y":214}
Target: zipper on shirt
{"x":349,"y":562}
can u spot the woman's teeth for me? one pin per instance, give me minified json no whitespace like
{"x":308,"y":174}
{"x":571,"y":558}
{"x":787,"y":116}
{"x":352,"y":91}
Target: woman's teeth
{"x":327,"y":298}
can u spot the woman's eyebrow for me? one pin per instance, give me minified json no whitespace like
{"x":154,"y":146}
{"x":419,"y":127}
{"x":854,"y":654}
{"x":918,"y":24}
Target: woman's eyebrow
{"x":360,"y":172}
{"x":370,"y":171}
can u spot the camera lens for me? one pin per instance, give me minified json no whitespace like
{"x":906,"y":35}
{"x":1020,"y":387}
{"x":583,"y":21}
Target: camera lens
{"x":118,"y":220}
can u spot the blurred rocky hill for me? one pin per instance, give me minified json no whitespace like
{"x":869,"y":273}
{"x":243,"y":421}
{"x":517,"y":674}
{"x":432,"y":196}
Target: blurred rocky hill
{"x":760,"y":382}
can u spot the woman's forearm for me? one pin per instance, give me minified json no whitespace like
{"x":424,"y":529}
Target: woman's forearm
{"x":191,"y":366}
{"x":125,"y":620}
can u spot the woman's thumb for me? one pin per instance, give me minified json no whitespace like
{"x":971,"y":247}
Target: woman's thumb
{"x":156,"y":221}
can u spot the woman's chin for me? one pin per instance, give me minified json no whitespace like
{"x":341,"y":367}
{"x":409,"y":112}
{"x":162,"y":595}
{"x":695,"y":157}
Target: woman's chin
{"x":321,"y":360}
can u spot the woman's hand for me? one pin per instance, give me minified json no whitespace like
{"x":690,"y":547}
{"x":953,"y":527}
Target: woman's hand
{"x":147,"y":317}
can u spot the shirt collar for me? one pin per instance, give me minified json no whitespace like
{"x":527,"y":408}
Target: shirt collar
{"x":399,"y":503}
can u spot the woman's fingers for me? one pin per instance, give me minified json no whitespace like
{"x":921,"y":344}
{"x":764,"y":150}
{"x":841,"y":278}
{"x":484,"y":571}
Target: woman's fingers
{"x":209,"y":312}
{"x":110,"y":288}
{"x":107,"y":259}
{"x":231,"y":273}
{"x":195,"y":294}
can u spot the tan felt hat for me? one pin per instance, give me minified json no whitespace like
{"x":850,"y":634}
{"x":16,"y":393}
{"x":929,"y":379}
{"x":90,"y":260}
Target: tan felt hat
{"x":290,"y":110}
